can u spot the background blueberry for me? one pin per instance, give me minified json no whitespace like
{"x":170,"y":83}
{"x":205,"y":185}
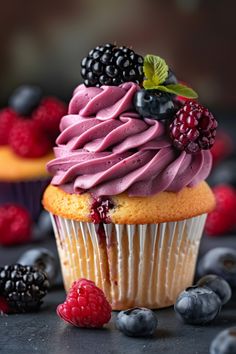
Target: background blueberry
{"x":44,"y":223}
{"x":220,"y":261}
{"x":137,"y":322}
{"x":197,"y":305}
{"x":43,"y":259}
{"x":218,"y":285}
{"x":225,"y":172}
{"x":25,"y":98}
{"x":154,"y":104}
{"x":224,"y":342}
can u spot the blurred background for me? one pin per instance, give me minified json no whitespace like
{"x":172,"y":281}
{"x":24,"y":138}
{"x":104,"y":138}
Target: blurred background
{"x":44,"y":42}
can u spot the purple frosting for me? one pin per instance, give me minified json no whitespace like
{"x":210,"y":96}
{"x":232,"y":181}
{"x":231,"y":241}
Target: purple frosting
{"x":106,"y":148}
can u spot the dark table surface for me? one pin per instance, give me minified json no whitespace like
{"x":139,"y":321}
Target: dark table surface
{"x":44,"y":332}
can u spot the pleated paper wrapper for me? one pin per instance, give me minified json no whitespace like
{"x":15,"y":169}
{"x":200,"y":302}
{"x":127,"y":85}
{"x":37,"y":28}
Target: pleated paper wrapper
{"x":135,"y":265}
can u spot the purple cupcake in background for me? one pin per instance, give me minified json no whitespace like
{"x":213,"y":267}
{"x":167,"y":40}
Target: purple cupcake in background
{"x":28,"y":128}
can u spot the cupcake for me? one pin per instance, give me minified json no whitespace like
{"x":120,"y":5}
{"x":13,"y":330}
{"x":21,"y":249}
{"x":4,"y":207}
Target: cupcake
{"x":28,"y":127}
{"x":128,"y":200}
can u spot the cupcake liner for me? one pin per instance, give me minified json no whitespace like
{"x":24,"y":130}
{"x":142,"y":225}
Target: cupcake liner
{"x":27,"y":194}
{"x":135,"y":265}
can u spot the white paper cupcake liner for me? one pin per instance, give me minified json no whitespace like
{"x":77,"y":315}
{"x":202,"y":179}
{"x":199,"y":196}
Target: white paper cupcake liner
{"x":135,"y":265}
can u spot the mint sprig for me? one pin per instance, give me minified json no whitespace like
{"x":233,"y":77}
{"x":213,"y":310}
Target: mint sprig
{"x":179,"y":90}
{"x":156,"y":72}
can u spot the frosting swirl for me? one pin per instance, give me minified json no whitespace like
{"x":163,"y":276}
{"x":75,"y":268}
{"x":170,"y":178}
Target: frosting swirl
{"x":105,"y":147}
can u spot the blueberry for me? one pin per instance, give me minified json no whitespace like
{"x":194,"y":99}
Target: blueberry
{"x":25,"y":99}
{"x":154,"y":104}
{"x":137,"y":322}
{"x":171,"y":78}
{"x":197,"y":305}
{"x":225,"y":172}
{"x":42,"y":259}
{"x":44,"y":223}
{"x":220,"y":261}
{"x":224,"y":342}
{"x":218,"y":285}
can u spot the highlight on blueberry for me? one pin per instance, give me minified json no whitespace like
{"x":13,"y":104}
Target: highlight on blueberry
{"x":137,"y":322}
{"x":25,"y":99}
{"x":224,"y":342}
{"x":154,"y":104}
{"x":220,"y":261}
{"x":41,"y":259}
{"x":197,"y":305}
{"x":218,"y":285}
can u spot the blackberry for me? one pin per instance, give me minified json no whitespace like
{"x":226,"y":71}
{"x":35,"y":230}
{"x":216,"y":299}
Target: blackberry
{"x":194,"y":128}
{"x":23,"y":287}
{"x":111,"y":65}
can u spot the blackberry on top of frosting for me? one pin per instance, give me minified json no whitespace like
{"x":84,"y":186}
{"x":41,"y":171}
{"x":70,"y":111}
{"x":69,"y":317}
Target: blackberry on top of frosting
{"x":189,"y":126}
{"x":112,"y":65}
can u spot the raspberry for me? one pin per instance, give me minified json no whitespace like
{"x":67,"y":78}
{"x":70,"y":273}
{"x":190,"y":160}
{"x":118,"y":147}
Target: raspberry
{"x":4,"y":307}
{"x":222,"y":147}
{"x":49,"y":114}
{"x":7,"y":119}
{"x":194,"y":128}
{"x":222,"y":219}
{"x":100,"y":209}
{"x":15,"y":225}
{"x":85,"y":305}
{"x":28,"y":140}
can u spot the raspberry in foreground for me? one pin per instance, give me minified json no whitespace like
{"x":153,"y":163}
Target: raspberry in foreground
{"x":7,"y":119}
{"x":28,"y":140}
{"x":194,"y":128}
{"x":85,"y":305}
{"x":15,"y":225}
{"x":23,"y":287}
{"x":48,"y":115}
{"x":222,"y":219}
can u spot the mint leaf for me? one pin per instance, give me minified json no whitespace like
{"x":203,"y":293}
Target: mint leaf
{"x":178,"y":89}
{"x":155,"y":70}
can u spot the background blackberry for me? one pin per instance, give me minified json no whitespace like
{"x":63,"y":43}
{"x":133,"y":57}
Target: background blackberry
{"x":111,"y":65}
{"x":23,"y":287}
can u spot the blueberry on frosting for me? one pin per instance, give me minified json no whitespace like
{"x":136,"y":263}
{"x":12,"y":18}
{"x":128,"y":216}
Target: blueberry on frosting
{"x":154,"y":104}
